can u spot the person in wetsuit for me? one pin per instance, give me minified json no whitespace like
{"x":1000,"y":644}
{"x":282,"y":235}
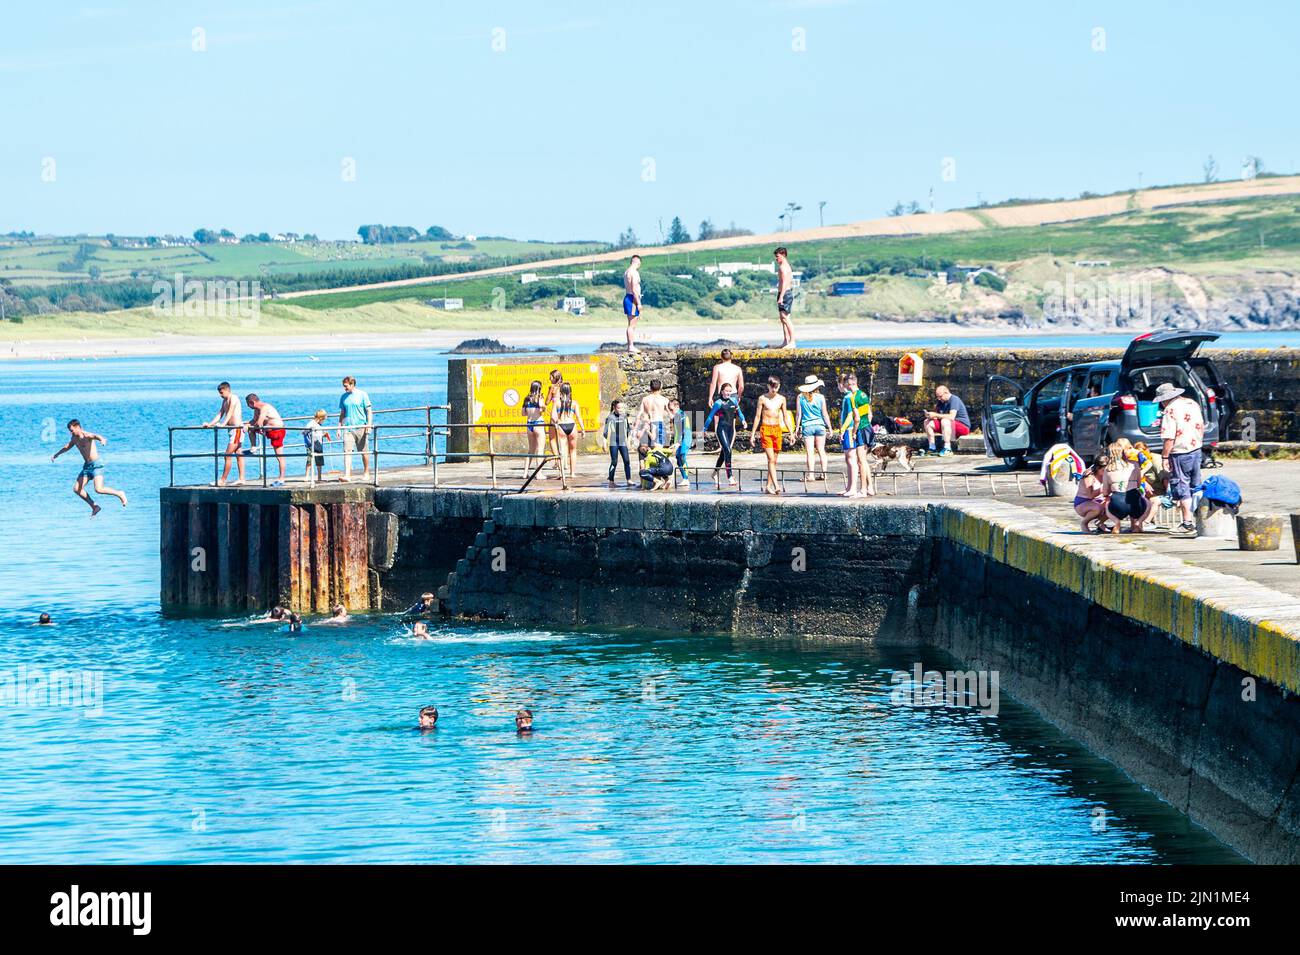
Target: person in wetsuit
{"x":727,"y":412}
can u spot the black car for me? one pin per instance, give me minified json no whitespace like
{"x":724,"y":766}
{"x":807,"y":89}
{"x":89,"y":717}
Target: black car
{"x":1088,"y":406}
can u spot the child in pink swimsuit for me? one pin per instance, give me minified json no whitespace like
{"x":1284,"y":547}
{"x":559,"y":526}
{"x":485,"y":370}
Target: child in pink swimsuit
{"x":1089,"y":502}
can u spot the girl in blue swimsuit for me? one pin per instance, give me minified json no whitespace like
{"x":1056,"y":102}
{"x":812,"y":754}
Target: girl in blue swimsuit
{"x":535,"y":416}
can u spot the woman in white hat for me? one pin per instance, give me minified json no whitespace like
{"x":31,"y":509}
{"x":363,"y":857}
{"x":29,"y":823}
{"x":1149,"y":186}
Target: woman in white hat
{"x":812,"y":421}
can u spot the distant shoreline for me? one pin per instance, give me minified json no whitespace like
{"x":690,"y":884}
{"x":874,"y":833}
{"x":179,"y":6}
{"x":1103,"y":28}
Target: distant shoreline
{"x":68,"y":349}
{"x":587,"y":338}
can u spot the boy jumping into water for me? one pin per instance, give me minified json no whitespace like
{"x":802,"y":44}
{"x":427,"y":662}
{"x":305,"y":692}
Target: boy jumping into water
{"x":91,"y":470}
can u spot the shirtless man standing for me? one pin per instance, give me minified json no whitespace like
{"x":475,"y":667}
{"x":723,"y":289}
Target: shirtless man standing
{"x":632,"y":299}
{"x":231,"y":416}
{"x":268,"y":423}
{"x":726,"y":372}
{"x":784,"y":296}
{"x":91,"y":469}
{"x":772,"y":420}
{"x":654,"y":407}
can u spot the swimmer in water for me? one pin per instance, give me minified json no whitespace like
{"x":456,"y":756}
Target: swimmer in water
{"x":424,"y":605}
{"x":44,"y":620}
{"x":295,"y":623}
{"x":523,"y":721}
{"x":428,"y":717}
{"x":276,"y":614}
{"x":420,"y":631}
{"x":340,"y":615}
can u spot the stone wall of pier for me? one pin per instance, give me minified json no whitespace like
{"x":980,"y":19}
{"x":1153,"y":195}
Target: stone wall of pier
{"x":1266,"y":382}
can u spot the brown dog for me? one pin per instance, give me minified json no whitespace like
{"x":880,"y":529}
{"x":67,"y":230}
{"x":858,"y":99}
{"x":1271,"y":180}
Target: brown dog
{"x":882,"y":454}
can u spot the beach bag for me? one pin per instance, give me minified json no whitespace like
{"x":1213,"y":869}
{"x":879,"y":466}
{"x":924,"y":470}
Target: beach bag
{"x":1221,"y":490}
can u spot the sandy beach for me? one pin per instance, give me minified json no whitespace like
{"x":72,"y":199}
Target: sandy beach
{"x":747,"y":333}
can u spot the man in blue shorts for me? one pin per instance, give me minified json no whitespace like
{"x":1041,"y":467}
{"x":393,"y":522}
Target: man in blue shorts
{"x":632,"y":299}
{"x":91,"y":468}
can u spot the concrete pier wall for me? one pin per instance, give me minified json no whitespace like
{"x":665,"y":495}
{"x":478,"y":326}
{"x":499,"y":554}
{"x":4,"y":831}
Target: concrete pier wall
{"x":680,"y":565}
{"x":433,"y":529}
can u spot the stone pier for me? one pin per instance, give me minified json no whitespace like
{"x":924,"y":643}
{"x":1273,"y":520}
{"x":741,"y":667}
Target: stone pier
{"x":244,"y":549}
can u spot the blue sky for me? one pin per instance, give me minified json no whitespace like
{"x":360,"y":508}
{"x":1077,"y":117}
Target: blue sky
{"x":550,"y":136}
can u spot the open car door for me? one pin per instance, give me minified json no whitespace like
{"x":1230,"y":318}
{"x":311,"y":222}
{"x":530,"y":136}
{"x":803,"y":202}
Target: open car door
{"x":1005,"y":421}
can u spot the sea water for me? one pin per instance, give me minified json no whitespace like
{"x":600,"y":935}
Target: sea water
{"x":126,"y":737}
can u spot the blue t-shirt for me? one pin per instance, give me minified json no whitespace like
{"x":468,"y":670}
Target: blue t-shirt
{"x":354,"y":404}
{"x":954,"y":404}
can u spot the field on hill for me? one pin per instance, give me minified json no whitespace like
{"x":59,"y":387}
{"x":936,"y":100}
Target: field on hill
{"x":44,"y":261}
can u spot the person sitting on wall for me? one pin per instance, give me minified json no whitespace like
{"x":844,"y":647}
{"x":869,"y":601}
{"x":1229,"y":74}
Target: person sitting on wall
{"x":660,"y":464}
{"x":949,"y":419}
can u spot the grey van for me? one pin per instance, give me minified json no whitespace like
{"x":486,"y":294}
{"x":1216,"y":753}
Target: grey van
{"x":1090,"y":405}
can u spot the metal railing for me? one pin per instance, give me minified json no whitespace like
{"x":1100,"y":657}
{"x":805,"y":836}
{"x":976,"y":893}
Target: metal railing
{"x":415,"y":439}
{"x":919,"y":481}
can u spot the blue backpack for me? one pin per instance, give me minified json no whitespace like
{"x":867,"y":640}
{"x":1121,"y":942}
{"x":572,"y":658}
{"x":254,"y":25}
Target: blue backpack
{"x":1221,"y":490}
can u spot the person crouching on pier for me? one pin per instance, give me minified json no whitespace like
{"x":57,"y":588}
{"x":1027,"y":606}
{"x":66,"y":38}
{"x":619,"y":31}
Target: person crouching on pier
{"x":660,"y":463}
{"x":1090,"y":499}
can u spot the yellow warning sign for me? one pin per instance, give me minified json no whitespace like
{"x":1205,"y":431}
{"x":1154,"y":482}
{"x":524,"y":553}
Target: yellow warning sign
{"x":499,"y":391}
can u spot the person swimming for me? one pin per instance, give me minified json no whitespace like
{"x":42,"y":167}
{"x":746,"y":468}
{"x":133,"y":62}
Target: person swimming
{"x":420,"y":631}
{"x":428,"y":717}
{"x":276,"y":614}
{"x":422,"y":606}
{"x":523,"y":721}
{"x":44,"y":620}
{"x":295,"y":623}
{"x":340,"y":615}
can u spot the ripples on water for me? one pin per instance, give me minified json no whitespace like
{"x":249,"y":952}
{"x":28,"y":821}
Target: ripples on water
{"x":221,"y":743}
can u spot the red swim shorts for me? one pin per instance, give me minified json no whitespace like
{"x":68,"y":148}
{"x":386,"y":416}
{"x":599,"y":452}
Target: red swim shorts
{"x":276,"y":437}
{"x":770,"y":437}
